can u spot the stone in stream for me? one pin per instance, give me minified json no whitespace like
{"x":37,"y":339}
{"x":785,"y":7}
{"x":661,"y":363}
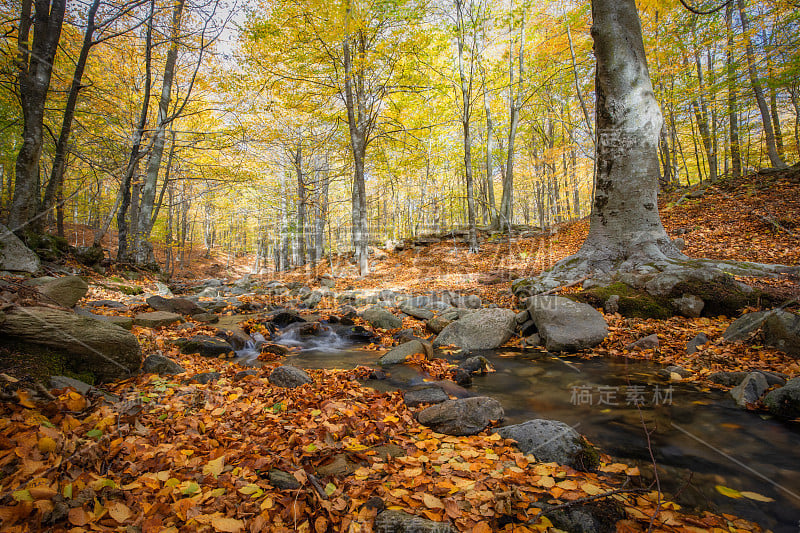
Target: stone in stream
{"x":390,"y":521}
{"x":85,"y":344}
{"x":156,"y":319}
{"x":181,"y":306}
{"x":785,"y":401}
{"x":425,"y":394}
{"x":438,"y":323}
{"x":400,"y":354}
{"x":380,"y":318}
{"x":566,"y":326}
{"x":289,"y":377}
{"x":158,"y":364}
{"x":552,"y":441}
{"x":750,"y":389}
{"x":206,"y":346}
{"x":483,"y":329}
{"x":65,"y":291}
{"x":284,"y":318}
{"x":466,"y":416}
{"x":14,"y":255}
{"x":475,"y":365}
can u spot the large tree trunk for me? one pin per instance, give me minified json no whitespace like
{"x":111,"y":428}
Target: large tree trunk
{"x":35,"y":70}
{"x":301,"y":206}
{"x":733,"y":114}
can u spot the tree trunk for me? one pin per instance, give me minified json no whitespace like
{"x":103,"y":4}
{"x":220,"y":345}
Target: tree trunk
{"x":758,"y":91}
{"x":625,"y":229}
{"x":733,"y":114}
{"x":301,"y":206}
{"x":35,"y":70}
{"x":60,"y":156}
{"x":143,"y":250}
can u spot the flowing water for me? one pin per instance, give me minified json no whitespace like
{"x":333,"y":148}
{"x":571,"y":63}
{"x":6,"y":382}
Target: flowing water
{"x":701,"y":439}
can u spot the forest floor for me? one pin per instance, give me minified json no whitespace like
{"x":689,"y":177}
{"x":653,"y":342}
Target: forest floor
{"x":173,"y":454}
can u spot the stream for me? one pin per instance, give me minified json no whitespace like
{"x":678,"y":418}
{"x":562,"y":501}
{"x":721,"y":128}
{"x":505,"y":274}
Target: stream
{"x":700,"y":436}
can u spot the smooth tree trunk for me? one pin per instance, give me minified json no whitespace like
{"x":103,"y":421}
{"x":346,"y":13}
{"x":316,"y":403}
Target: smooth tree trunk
{"x":466,"y":102}
{"x":733,"y":113}
{"x":35,"y":63}
{"x":702,"y":115}
{"x":123,"y":227}
{"x":143,"y":250}
{"x":56,"y":182}
{"x":772,"y":149}
{"x":301,"y":206}
{"x":515,"y":103}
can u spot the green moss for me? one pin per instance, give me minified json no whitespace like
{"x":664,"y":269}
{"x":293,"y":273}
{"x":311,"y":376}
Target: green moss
{"x":589,"y":458}
{"x":130,"y":290}
{"x":722,"y":296}
{"x":632,"y":302}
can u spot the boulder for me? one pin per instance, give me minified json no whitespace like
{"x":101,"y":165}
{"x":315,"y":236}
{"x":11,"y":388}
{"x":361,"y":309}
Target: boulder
{"x":399,"y":354}
{"x":156,"y":319}
{"x":471,"y":301}
{"x":182,"y":306}
{"x":65,"y":291}
{"x":466,"y":416}
{"x":86,"y":344}
{"x":645,"y":343}
{"x":284,"y":318}
{"x":62,"y":382}
{"x":158,"y":364}
{"x":780,"y":329}
{"x":785,"y":401}
{"x":206,"y":346}
{"x":289,"y":377}
{"x":390,"y":521}
{"x":693,"y":345}
{"x":689,"y":305}
{"x":14,"y":255}
{"x":564,"y":325}
{"x":438,"y":323}
{"x":425,"y":394}
{"x":551,"y":441}
{"x":380,"y":318}
{"x":483,"y":329}
{"x":124,"y":322}
{"x":750,"y":389}
{"x":422,"y":314}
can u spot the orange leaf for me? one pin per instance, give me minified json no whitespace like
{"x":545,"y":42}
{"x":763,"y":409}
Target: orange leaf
{"x":227,"y":525}
{"x":78,"y":517}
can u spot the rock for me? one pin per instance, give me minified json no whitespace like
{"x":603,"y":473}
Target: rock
{"x":390,"y":521}
{"x":591,"y":517}
{"x":162,"y":290}
{"x":645,"y":343}
{"x":124,"y":322}
{"x":533,"y":340}
{"x":565,"y":325}
{"x":438,"y":323}
{"x":474,"y":365}
{"x":466,"y":416}
{"x":275,"y":349}
{"x":552,"y":441}
{"x":205,"y":318}
{"x":283,"y":480}
{"x":158,"y":364}
{"x":289,"y":377}
{"x":89,"y":255}
{"x":244,"y":373}
{"x":205,"y":377}
{"x":679,"y":243}
{"x":462,"y":377}
{"x":728,"y":379}
{"x":284,"y":318}
{"x":471,"y":301}
{"x":750,"y":389}
{"x":387,"y":295}
{"x":236,"y":337}
{"x":612,"y":304}
{"x":785,"y":401}
{"x":88,"y":345}
{"x":156,"y":319}
{"x":113,"y":304}
{"x":418,"y":396}
{"x":388,"y":451}
{"x":14,"y":255}
{"x":328,"y":282}
{"x":206,"y":346}
{"x":313,"y":299}
{"x":780,"y":329}
{"x":483,"y":329}
{"x":422,"y":314}
{"x":380,"y":318}
{"x":694,"y":344}
{"x":65,"y":291}
{"x":680,"y":371}
{"x":62,"y":382}
{"x":399,"y":354}
{"x":181,"y":306}
{"x":689,"y":305}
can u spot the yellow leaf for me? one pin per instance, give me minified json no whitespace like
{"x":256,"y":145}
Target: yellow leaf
{"x":47,"y":445}
{"x":756,"y":496}
{"x":591,"y":489}
{"x":227,"y":525}
{"x":547,"y":482}
{"x":432,"y":502}
{"x":214,"y":467}
{"x":730,"y":493}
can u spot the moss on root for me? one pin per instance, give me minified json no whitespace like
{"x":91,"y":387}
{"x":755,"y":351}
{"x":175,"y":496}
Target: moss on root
{"x":632,"y":302}
{"x":722,"y":296}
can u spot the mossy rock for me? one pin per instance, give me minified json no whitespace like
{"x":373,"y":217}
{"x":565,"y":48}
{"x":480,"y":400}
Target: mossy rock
{"x":632,"y":303}
{"x":722,"y":295}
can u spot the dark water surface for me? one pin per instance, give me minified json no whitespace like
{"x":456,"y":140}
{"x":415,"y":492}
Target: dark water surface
{"x":700,"y":436}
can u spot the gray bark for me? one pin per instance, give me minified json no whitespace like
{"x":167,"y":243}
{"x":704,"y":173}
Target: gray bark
{"x":733,"y":116}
